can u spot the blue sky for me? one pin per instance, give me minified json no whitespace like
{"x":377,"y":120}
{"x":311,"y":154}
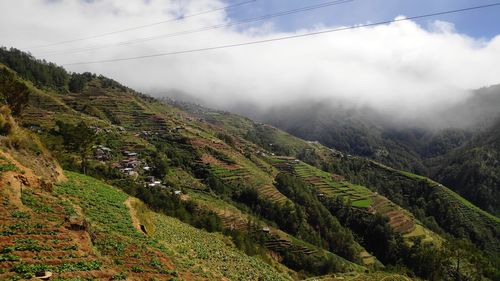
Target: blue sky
{"x":484,"y":23}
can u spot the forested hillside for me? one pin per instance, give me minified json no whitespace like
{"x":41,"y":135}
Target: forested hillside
{"x":288,"y":208}
{"x":463,"y":131}
{"x":473,"y":169}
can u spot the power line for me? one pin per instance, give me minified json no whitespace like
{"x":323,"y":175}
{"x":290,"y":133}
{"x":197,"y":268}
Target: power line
{"x":145,"y":25}
{"x":288,"y":37}
{"x":208,"y":28}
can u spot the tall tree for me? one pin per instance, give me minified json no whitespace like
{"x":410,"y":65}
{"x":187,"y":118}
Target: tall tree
{"x":78,"y":138}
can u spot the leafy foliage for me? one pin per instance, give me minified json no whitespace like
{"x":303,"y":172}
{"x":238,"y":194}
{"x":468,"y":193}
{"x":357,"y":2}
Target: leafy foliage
{"x":40,"y":72}
{"x":13,"y":93}
{"x":78,"y":138}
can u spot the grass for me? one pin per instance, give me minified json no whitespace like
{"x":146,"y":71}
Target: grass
{"x":365,"y":203}
{"x":6,"y":165}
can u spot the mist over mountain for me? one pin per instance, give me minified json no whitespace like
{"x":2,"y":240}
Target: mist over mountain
{"x":426,"y":144}
{"x":406,"y":69}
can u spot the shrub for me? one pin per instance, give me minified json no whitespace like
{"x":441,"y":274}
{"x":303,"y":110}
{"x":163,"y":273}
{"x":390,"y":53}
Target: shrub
{"x":6,"y":122}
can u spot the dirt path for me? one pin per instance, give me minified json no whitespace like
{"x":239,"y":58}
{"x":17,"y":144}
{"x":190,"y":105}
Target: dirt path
{"x":133,"y":213}
{"x":396,"y":275}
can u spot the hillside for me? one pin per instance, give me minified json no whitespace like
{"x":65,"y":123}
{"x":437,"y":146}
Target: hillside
{"x":473,"y":170}
{"x":421,"y":146}
{"x":83,"y":228}
{"x":223,"y":194}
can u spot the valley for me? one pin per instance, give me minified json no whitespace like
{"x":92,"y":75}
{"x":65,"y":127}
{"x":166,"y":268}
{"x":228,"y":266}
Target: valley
{"x":129,"y":187}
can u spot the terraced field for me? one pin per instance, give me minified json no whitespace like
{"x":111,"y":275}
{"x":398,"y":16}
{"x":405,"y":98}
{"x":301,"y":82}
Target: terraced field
{"x":326,"y":183}
{"x":196,"y":250}
{"x":81,"y":230}
{"x":355,"y":276}
{"x":111,"y":229}
{"x":194,"y":253}
{"x":239,"y":171}
{"x":272,"y":193}
{"x":359,"y":196}
{"x":276,"y":240}
{"x":334,"y":186}
{"x":231,"y":175}
{"x":35,"y":236}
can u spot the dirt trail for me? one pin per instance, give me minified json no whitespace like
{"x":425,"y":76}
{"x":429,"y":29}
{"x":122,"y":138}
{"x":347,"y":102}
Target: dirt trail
{"x":396,"y":275}
{"x":133,"y":213}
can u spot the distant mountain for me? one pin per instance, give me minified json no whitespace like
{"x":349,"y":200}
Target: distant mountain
{"x":473,"y":169}
{"x":415,"y":145}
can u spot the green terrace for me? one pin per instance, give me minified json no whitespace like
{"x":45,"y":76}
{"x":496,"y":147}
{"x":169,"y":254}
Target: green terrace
{"x":332,"y":186}
{"x":230,"y":174}
{"x":359,"y":196}
{"x":275,"y":239}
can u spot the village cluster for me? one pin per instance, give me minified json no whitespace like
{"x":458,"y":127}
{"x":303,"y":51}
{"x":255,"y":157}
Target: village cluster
{"x":130,"y":165}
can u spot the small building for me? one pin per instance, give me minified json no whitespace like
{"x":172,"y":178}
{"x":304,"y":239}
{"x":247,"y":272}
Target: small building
{"x":266,"y":229}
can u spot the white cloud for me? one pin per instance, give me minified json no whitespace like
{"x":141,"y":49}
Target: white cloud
{"x":400,"y":67}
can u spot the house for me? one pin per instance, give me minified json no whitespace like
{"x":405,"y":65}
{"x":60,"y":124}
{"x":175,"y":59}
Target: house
{"x":266,"y":229}
{"x":133,"y":174}
{"x":177,"y":192}
{"x":36,"y":128}
{"x":151,"y":182}
{"x":102,"y":152}
{"x":96,"y":129}
{"x":132,"y":163}
{"x":104,"y":148}
{"x":126,"y":170}
{"x":99,"y":154}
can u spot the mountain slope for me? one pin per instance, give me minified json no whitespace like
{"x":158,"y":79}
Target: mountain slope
{"x":474,"y":169}
{"x":419,"y":146}
{"x":220,"y":172}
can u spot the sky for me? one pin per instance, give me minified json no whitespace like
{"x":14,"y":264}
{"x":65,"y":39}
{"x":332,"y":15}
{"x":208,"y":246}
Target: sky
{"x":479,"y":24}
{"x":406,"y":68}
